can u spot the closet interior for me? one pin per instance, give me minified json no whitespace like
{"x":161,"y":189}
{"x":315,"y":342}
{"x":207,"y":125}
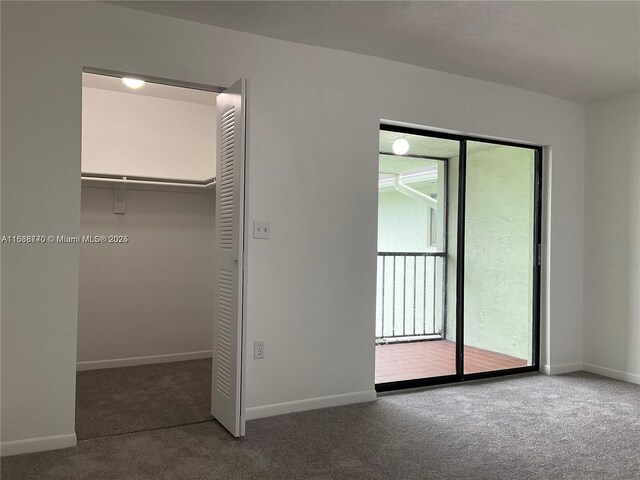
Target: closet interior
{"x":147,"y":258}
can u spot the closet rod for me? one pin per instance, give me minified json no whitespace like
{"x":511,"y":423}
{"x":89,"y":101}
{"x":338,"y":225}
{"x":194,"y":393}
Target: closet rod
{"x":149,"y":180}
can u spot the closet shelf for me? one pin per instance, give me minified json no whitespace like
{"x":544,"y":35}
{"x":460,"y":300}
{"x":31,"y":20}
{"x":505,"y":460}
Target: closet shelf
{"x":91,"y":179}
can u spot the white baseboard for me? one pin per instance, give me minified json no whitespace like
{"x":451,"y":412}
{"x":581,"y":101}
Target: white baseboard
{"x":310,"y":404}
{"x":610,"y":372}
{"x":132,"y":361}
{"x":40,"y":444}
{"x":561,"y":368}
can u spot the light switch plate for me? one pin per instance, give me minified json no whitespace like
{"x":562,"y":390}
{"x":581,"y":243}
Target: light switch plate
{"x":262,"y":229}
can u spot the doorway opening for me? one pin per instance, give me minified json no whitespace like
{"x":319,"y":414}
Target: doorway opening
{"x":458,"y":258}
{"x":152,"y":230}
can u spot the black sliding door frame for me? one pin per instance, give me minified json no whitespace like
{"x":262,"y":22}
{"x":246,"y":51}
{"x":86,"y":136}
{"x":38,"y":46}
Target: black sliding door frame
{"x":460,"y":376}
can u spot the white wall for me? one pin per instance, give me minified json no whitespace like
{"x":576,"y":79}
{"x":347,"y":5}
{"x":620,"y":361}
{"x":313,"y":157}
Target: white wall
{"x":612,"y":239}
{"x":313,"y":148}
{"x":152,"y":296}
{"x":141,"y":135}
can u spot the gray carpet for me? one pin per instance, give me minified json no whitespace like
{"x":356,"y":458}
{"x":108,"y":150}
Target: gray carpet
{"x":132,"y":399}
{"x":577,"y":426}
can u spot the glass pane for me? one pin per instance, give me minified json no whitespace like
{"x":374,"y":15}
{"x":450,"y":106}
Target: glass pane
{"x":413,"y":337}
{"x":499,"y":257}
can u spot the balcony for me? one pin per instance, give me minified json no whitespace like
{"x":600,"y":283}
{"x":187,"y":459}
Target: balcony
{"x":422,"y":231}
{"x":410,"y":297}
{"x":412,"y":339}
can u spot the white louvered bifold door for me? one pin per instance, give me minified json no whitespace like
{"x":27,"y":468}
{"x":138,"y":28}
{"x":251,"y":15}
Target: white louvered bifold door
{"x":226,"y":388}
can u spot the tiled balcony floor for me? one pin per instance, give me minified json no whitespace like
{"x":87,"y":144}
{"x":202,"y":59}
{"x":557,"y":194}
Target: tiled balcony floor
{"x":406,"y":361}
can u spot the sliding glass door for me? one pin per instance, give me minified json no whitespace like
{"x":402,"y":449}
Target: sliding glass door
{"x":500,"y":260}
{"x":458,"y":257}
{"x":412,"y":338}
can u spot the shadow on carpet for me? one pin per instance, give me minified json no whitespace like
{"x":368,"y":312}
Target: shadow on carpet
{"x":147,"y":397}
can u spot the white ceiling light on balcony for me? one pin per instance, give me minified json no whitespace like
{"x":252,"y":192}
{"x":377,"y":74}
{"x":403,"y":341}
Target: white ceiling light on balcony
{"x":400,"y":146}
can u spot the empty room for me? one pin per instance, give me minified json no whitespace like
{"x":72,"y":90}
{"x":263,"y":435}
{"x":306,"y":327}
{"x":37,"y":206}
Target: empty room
{"x":337,"y":240}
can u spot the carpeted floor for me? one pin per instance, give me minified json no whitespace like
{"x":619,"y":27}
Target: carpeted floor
{"x":576,"y":426}
{"x":132,"y":399}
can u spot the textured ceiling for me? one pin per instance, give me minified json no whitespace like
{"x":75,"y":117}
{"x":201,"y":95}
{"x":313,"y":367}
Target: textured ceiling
{"x":578,"y":50}
{"x":425,"y":145}
{"x":420,"y":144}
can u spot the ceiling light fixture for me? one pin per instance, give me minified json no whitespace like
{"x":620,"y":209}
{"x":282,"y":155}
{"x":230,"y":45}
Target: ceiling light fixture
{"x":400,"y":146}
{"x":134,"y":83}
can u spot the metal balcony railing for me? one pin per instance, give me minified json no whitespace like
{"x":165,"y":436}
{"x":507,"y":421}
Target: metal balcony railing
{"x":410,"y":296}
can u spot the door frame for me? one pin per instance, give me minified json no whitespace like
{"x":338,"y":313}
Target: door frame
{"x":460,"y":376}
{"x":243,"y":238}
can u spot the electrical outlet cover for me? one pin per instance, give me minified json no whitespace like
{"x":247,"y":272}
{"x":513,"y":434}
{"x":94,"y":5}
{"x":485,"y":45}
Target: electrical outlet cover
{"x":258,"y":350}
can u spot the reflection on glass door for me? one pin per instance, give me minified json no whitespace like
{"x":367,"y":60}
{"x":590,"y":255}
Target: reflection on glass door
{"x":499,"y":257}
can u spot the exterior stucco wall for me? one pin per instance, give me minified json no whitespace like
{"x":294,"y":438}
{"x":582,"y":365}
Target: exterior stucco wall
{"x":498,"y":251}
